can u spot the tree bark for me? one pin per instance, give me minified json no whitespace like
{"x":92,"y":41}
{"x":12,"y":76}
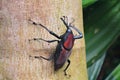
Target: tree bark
{"x":15,"y":32}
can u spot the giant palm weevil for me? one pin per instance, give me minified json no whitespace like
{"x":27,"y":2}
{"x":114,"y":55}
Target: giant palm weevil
{"x":64,"y":46}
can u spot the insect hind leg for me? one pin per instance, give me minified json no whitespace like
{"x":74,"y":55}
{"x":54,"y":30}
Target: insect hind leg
{"x":48,"y":59}
{"x":67,"y":68}
{"x":41,"y":57}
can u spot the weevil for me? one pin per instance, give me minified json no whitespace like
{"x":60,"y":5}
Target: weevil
{"x":64,"y":46}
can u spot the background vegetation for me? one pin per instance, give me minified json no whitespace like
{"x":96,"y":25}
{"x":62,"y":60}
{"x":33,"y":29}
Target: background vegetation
{"x":102,"y":37}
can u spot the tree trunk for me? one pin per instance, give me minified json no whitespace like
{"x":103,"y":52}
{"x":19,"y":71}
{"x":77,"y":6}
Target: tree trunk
{"x":15,"y":32}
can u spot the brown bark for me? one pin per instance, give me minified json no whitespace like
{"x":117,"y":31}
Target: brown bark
{"x":15,"y":30}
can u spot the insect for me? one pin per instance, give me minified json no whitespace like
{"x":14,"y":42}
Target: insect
{"x":64,"y":46}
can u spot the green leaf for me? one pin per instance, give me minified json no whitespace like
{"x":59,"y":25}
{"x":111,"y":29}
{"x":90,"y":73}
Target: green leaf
{"x":102,"y":27}
{"x":94,"y":70}
{"x":115,"y":75}
{"x":86,"y":3}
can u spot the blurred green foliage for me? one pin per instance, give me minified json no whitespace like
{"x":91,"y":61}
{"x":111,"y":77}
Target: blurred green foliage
{"x":102,"y":28}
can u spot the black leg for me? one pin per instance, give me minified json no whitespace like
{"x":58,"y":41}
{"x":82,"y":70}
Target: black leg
{"x":38,"y":39}
{"x":51,"y":32}
{"x":66,"y":67}
{"x":39,"y":57}
{"x":65,"y":21}
{"x":48,"y":59}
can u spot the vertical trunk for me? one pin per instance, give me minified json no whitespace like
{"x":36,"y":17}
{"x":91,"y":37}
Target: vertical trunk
{"x":15,"y":30}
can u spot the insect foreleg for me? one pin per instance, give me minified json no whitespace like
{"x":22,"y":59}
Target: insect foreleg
{"x":77,"y":36}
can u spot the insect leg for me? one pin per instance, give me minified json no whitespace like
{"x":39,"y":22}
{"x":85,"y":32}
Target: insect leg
{"x":51,"y":32}
{"x":38,"y":39}
{"x":48,"y":59}
{"x":39,"y":57}
{"x":77,"y":36}
{"x":67,"y":67}
{"x":65,"y":21}
{"x":49,"y":41}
